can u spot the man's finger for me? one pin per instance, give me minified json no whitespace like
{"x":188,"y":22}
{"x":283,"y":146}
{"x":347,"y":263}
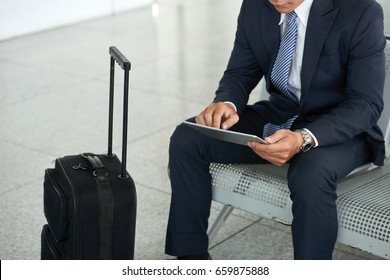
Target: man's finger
{"x":276,"y":137}
{"x":200,"y":119}
{"x":209,"y":115}
{"x":230,"y":120}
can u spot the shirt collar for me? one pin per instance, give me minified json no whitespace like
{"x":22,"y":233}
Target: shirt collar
{"x":303,"y":11}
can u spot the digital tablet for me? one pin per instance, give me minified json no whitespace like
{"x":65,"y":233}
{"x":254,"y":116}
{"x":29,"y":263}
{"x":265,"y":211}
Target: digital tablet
{"x":226,"y":135}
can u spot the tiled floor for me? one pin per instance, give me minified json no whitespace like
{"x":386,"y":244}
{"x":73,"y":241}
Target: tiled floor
{"x":54,"y":94}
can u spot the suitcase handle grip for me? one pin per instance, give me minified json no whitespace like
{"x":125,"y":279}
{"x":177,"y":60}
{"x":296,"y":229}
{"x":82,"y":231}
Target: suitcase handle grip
{"x":120,"y":58}
{"x":116,"y":55}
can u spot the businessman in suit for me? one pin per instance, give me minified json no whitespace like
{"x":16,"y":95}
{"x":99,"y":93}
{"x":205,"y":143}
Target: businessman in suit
{"x":321,"y":119}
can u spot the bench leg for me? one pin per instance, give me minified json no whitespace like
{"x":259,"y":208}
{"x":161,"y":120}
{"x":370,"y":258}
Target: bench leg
{"x":222,"y":217}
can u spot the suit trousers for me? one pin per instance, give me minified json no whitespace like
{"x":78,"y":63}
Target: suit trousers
{"x":312,"y":180}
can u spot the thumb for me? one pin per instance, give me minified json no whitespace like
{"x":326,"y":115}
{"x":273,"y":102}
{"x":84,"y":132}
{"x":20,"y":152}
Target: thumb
{"x":277,"y":136}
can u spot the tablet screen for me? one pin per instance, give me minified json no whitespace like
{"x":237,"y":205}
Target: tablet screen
{"x":226,"y":135}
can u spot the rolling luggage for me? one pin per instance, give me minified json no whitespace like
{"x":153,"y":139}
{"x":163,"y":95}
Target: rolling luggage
{"x":89,"y":199}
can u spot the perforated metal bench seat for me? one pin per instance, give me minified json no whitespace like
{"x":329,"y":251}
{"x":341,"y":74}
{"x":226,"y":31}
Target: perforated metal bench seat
{"x":363,"y":201}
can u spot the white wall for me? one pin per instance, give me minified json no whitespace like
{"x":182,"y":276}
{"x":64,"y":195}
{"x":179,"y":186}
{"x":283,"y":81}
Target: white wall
{"x":20,"y":17}
{"x":386,"y":9}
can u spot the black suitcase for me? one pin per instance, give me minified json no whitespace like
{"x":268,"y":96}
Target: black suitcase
{"x":90,"y":200}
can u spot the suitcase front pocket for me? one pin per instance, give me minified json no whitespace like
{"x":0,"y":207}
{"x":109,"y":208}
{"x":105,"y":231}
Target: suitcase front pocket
{"x":55,"y":206}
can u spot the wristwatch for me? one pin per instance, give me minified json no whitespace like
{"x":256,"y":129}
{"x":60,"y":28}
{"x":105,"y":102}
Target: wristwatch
{"x":307,"y":143}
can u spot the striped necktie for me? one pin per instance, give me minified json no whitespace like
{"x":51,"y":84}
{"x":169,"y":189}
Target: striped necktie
{"x":281,"y":69}
{"x":282,"y":65}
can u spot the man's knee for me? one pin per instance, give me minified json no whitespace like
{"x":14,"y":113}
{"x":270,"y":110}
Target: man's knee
{"x":180,"y":140}
{"x":186,"y":142}
{"x":312,"y":180}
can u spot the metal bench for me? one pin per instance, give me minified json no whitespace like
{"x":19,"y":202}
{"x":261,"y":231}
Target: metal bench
{"x":363,"y":196}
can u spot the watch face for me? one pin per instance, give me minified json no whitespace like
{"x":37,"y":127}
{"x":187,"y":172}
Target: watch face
{"x":306,"y":147}
{"x":307,"y":140}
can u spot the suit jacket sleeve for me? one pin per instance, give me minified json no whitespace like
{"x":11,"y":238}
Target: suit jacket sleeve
{"x":364,"y":82}
{"x":243,"y":71}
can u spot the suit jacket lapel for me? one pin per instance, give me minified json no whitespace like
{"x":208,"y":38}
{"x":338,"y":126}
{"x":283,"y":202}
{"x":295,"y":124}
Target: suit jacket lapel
{"x":320,"y":20}
{"x":270,"y":31}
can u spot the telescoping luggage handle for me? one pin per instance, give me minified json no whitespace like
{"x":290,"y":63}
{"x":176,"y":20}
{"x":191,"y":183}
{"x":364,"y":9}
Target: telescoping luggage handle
{"x":125,"y":64}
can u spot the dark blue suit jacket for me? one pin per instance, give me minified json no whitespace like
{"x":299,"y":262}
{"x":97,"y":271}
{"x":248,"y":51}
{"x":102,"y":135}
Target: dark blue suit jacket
{"x":342,"y":73}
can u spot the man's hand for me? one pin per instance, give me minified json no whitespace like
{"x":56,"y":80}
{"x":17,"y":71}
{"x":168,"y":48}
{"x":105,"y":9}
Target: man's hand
{"x":219,"y":115}
{"x":283,"y":145}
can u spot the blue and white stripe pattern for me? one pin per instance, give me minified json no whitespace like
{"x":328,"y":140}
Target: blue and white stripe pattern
{"x":270,"y":128}
{"x":281,"y":69}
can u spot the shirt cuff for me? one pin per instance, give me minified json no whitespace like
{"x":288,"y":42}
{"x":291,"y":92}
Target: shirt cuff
{"x":315,"y":139}
{"x":230,"y":103}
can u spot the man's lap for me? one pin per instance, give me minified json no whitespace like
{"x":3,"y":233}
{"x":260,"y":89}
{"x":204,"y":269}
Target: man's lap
{"x":343,"y":157}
